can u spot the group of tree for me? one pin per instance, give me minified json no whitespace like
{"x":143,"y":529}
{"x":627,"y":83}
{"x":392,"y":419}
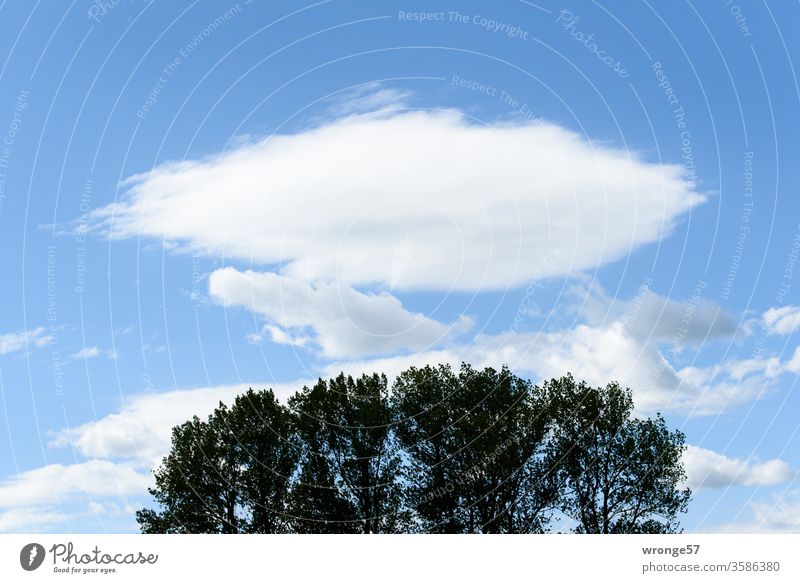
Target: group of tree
{"x":441,"y":451}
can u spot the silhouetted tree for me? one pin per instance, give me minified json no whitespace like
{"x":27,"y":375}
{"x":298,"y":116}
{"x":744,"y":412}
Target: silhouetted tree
{"x":478,"y":451}
{"x":228,"y":474}
{"x":346,"y":426}
{"x":617,"y":474}
{"x":316,"y":503}
{"x":475,"y":443}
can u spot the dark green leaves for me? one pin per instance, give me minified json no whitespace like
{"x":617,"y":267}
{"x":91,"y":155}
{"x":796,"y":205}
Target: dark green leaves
{"x":617,"y":474}
{"x":468,"y":452}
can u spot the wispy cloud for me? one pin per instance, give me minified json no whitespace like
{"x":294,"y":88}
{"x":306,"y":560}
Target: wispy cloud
{"x":14,"y":341}
{"x":373,"y":97}
{"x":783,"y":320}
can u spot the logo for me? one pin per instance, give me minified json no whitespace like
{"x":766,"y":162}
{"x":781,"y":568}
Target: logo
{"x":31,"y":556}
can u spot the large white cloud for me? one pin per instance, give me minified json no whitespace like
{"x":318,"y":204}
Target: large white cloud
{"x":346,"y":322}
{"x":410,"y":200}
{"x":709,"y":469}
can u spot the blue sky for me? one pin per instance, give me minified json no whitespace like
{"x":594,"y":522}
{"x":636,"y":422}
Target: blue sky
{"x":198,"y":197}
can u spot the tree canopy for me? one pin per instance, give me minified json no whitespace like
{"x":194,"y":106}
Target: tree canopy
{"x":440,"y":451}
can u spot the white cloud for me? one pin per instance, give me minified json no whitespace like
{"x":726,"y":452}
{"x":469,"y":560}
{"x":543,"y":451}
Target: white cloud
{"x":14,"y":341}
{"x":369,"y":97}
{"x":279,"y":336}
{"x":597,"y":354}
{"x":135,"y":439}
{"x":55,"y":483}
{"x":783,"y":320}
{"x":461,"y":205}
{"x":793,"y":365}
{"x":709,"y":469}
{"x":652,"y":317}
{"x":346,"y":322}
{"x":27,"y":519}
{"x":86,"y":353}
{"x":36,"y":499}
{"x":780,"y":514}
{"x":141,"y":430}
{"x":678,"y":322}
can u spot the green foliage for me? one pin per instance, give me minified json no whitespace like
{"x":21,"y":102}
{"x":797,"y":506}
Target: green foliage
{"x":617,"y":474}
{"x":477,"y":451}
{"x":228,"y":474}
{"x":346,"y":425}
{"x":475,"y":445}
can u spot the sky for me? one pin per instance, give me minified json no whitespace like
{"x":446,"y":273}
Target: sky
{"x":199,"y":197}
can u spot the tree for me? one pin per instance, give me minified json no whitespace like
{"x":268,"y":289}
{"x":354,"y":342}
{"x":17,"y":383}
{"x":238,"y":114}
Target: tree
{"x":425,"y":426}
{"x":476,"y":447}
{"x":197,"y":484}
{"x":477,"y":451}
{"x":617,"y":474}
{"x":268,"y":450}
{"x":346,"y":426}
{"x":228,"y":474}
{"x":316,"y":504}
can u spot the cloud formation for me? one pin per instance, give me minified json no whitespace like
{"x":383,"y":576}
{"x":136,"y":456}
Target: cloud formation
{"x":14,"y":341}
{"x":597,"y":354}
{"x":653,"y":317}
{"x":140,"y":432}
{"x":783,"y":320}
{"x":779,"y":514}
{"x":346,"y":322}
{"x":36,"y":498}
{"x":56,"y":482}
{"x":415,"y":200}
{"x":709,"y":469}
